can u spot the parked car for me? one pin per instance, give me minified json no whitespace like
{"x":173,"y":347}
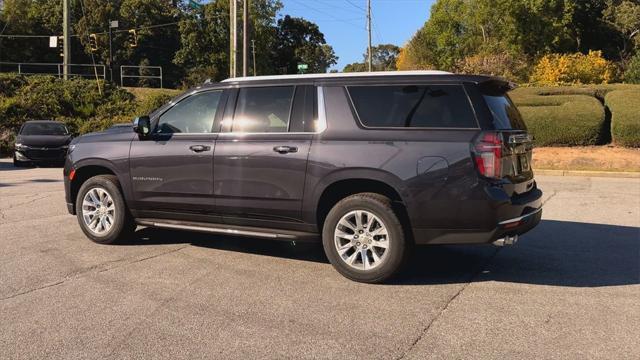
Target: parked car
{"x":41,"y":141}
{"x":370,"y":164}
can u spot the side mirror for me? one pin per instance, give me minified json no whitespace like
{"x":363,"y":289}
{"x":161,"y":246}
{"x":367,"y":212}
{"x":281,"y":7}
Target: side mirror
{"x":142,"y":126}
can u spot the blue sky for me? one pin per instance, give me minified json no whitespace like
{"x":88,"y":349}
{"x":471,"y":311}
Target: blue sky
{"x":343,"y":22}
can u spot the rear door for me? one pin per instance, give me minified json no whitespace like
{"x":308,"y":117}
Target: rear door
{"x":172,"y":170}
{"x":261,"y":155}
{"x":517,"y":143}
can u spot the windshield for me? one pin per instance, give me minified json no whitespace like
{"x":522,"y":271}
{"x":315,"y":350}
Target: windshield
{"x":52,"y":128}
{"x":505,"y":114}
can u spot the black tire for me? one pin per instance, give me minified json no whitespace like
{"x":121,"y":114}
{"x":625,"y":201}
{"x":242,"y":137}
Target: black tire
{"x":123,"y":225}
{"x":398,"y":247}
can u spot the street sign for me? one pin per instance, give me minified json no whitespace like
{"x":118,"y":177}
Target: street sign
{"x":53,"y":41}
{"x":114,"y":24}
{"x":303,"y":66}
{"x":195,"y":5}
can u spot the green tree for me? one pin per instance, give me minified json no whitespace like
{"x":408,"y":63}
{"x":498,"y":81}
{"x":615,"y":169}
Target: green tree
{"x":384,"y":58}
{"x":458,"y":29}
{"x":300,"y":41}
{"x":155,"y":45}
{"x":624,"y":16}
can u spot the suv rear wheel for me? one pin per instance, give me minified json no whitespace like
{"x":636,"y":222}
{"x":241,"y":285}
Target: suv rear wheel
{"x":364,"y":239}
{"x":101,"y":210}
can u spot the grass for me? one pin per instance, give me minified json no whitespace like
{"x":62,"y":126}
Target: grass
{"x":625,"y":117}
{"x":142,"y":94}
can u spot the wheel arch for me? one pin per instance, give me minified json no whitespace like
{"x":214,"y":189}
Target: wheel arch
{"x":346,"y":183}
{"x":87,"y":169}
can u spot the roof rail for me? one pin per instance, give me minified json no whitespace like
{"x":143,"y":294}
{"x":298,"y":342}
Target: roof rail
{"x":338,"y":75}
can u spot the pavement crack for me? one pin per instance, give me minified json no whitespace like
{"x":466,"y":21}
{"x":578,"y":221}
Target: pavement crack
{"x":99,"y":268}
{"x":553,"y":194}
{"x":144,"y":258}
{"x":32,"y":290}
{"x":444,"y":308}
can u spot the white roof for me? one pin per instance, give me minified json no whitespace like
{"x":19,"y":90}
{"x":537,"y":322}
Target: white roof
{"x":338,"y":75}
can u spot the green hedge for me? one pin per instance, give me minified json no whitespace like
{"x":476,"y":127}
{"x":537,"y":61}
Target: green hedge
{"x":556,"y":120}
{"x":76,"y":102}
{"x":625,"y":117}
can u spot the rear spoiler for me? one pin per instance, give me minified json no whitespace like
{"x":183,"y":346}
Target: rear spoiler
{"x":496,"y":86}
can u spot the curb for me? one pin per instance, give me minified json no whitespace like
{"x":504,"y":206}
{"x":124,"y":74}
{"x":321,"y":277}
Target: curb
{"x":587,"y":173}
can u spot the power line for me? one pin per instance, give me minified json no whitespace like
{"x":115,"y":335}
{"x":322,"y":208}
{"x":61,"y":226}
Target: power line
{"x":356,"y":6}
{"x":97,"y":33}
{"x":325,"y":13}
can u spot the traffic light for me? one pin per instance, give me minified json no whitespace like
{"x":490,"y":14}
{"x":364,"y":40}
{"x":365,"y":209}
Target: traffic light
{"x":133,"y":38}
{"x":93,"y":42}
{"x":61,"y":45}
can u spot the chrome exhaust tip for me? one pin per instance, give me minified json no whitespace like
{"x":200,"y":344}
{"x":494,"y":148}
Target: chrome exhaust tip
{"x":507,"y":240}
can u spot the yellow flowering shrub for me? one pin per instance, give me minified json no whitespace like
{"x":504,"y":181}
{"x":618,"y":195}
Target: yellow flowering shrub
{"x":578,"y":68}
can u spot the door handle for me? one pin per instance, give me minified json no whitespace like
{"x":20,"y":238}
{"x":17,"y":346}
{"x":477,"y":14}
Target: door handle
{"x":199,"y":148}
{"x":282,"y":149}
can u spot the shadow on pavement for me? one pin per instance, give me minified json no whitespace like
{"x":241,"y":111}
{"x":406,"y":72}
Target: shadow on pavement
{"x":556,"y":253}
{"x":8,"y":166}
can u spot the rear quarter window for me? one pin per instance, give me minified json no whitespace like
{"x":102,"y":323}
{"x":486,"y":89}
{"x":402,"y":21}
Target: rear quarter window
{"x":413,"y":106}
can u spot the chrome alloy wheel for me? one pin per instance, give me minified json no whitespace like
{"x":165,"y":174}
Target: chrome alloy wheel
{"x":98,"y":210}
{"x":361,"y":239}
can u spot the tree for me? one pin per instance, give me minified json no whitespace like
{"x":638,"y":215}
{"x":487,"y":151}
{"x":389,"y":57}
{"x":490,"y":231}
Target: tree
{"x":300,"y":41}
{"x":155,"y":44}
{"x":384,"y":59}
{"x":624,"y":16}
{"x":189,"y":44}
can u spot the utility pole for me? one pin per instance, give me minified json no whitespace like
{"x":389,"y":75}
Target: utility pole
{"x":253,"y":50}
{"x":245,"y":20}
{"x":233,"y":27}
{"x":113,"y":24}
{"x":66,"y":34}
{"x":369,"y":30}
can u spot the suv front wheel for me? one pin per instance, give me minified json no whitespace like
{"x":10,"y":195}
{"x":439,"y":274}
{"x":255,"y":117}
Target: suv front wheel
{"x":364,"y":239}
{"x":101,"y":211}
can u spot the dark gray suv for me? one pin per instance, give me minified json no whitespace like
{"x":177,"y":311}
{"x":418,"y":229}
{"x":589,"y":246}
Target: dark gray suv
{"x":369,"y":163}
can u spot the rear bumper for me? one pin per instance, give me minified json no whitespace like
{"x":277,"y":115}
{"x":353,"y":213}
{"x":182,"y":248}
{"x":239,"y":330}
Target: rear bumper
{"x":513,"y":216}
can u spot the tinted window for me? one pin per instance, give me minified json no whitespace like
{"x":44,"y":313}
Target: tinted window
{"x":431,"y":106}
{"x":263,"y":109}
{"x":51,"y":128}
{"x":194,"y":114}
{"x":505,"y":114}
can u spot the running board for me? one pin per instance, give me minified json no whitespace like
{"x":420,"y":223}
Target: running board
{"x":224,"y":229}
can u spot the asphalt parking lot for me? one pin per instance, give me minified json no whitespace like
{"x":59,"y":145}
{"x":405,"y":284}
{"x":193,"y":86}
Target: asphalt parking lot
{"x":568,"y":289}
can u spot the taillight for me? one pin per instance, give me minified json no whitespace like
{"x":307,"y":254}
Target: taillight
{"x":488,"y":154}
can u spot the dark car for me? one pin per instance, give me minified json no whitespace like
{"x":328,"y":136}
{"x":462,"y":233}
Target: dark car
{"x":41,"y":141}
{"x":370,"y":164}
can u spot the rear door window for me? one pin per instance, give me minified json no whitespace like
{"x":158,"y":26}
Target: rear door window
{"x":413,"y":106}
{"x":263,"y":109}
{"x":505,"y":114}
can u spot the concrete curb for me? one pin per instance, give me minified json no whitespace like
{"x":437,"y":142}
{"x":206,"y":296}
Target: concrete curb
{"x":587,"y":173}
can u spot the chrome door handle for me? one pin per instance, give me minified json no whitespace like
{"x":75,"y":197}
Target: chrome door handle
{"x":199,"y":148}
{"x":285,"y":149}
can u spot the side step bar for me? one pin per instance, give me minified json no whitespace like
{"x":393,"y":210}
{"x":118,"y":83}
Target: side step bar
{"x":224,"y":229}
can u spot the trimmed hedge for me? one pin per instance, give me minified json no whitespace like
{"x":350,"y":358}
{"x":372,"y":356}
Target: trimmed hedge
{"x":563,"y":119}
{"x":625,"y":117}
